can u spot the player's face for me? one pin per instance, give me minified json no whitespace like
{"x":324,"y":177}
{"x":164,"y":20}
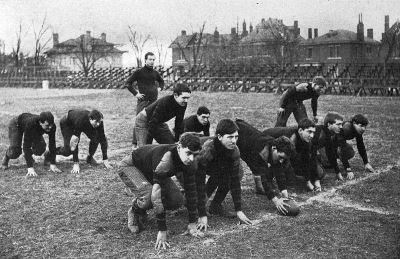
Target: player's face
{"x":317,"y":88}
{"x":95,"y":123}
{"x":229,"y":140}
{"x":46,"y":126}
{"x":278,"y":157}
{"x":186,"y":155}
{"x":150,"y":61}
{"x":360,"y":129}
{"x":307,"y":134}
{"x":182,"y":99}
{"x":203,"y":118}
{"x":336,"y":126}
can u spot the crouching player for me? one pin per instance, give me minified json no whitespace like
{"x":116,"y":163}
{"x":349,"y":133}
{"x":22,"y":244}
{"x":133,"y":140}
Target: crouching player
{"x":90,"y":123}
{"x":149,"y":178}
{"x":220,"y":159}
{"x":31,"y":128}
{"x":267,"y":158}
{"x":354,"y":128}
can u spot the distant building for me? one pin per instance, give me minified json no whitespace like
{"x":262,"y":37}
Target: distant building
{"x":390,"y":50}
{"x":340,"y":46}
{"x":70,"y":54}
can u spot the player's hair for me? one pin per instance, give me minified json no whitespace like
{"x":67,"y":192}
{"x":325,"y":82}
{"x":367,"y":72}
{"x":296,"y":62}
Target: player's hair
{"x":360,"y":119}
{"x":331,"y":117}
{"x":191,"y":141}
{"x":148,"y":54}
{"x":46,"y":116}
{"x":95,"y":115}
{"x":203,"y":110}
{"x":319,"y":80}
{"x":306,"y":123}
{"x":226,"y":126}
{"x":180,"y":88}
{"x":283,"y":144}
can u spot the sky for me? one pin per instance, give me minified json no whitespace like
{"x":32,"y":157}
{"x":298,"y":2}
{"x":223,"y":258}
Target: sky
{"x":165,"y":19}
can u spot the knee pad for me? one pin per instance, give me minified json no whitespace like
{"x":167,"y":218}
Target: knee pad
{"x":14,"y":152}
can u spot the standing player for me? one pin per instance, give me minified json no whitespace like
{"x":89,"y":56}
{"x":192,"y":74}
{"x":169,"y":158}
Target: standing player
{"x":90,"y":123}
{"x":199,"y":122}
{"x":31,"y":128}
{"x":151,"y":122}
{"x":146,"y":92}
{"x":149,"y":177}
{"x":292,"y":101}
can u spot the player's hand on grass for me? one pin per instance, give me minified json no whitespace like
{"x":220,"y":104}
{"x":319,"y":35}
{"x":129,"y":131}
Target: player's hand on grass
{"x":285,"y":194}
{"x":350,"y":174}
{"x":202,"y":223}
{"x":75,"y":168}
{"x":55,"y":169}
{"x":339,"y":176}
{"x":310,"y":186}
{"x":369,"y":168}
{"x":107,"y":164}
{"x":161,"y":242}
{"x":281,"y":110}
{"x":243,"y":218}
{"x":194,"y":231}
{"x":280,"y":205}
{"x":31,"y":172}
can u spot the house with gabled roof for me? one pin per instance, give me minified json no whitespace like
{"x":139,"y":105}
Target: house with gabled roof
{"x":94,"y":52}
{"x":339,"y":46}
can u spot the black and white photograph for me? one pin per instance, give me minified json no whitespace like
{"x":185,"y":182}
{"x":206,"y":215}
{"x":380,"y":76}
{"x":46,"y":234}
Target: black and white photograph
{"x":199,"y":129}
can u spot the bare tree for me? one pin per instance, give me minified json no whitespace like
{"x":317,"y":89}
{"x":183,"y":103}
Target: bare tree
{"x":41,"y":40}
{"x":88,"y":53}
{"x":196,"y":48}
{"x":17,"y":49}
{"x":162,"y":53}
{"x":137,"y":41}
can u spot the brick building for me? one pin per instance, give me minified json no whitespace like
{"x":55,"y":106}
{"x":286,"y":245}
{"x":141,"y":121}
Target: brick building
{"x":72,"y":53}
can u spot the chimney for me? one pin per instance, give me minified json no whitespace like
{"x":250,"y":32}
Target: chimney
{"x":360,"y":29}
{"x":216,"y":35}
{"x":233,"y":31}
{"x":244,"y":29}
{"x":370,"y":33}
{"x":88,"y":34}
{"x":55,"y":39}
{"x":103,"y":36}
{"x":386,"y":23}
{"x":296,"y":24}
{"x":262,"y":21}
{"x":315,"y":32}
{"x":309,"y":33}
{"x":251,"y":28}
{"x":183,"y":33}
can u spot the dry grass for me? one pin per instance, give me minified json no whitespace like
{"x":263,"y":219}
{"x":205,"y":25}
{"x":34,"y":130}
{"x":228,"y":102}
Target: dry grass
{"x":63,"y":215}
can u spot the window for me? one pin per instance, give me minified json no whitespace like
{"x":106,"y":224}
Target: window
{"x":309,"y":53}
{"x":334,"y":51}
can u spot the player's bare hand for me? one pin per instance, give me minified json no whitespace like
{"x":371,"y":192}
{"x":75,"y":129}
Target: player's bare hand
{"x":31,"y":172}
{"x":280,"y":205}
{"x":139,"y":96}
{"x":55,"y":169}
{"x":369,"y":168}
{"x":75,"y":169}
{"x":243,"y":218}
{"x":339,"y":177}
{"x":202,"y":223}
{"x":161,"y":242}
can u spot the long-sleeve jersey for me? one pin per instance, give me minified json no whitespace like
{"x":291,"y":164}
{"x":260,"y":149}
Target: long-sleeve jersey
{"x":28,"y":124}
{"x":299,"y":93}
{"x":348,"y":132}
{"x":145,"y":78}
{"x":192,"y":124}
{"x":162,"y":111}
{"x":250,"y":143}
{"x":325,"y":139}
{"x":159,"y":162}
{"x":78,"y":121}
{"x":224,"y":164}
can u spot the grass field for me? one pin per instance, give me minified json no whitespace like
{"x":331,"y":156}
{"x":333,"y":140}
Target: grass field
{"x":66,"y":215}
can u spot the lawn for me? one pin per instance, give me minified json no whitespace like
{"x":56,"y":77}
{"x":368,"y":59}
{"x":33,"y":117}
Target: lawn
{"x":66,"y":215}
